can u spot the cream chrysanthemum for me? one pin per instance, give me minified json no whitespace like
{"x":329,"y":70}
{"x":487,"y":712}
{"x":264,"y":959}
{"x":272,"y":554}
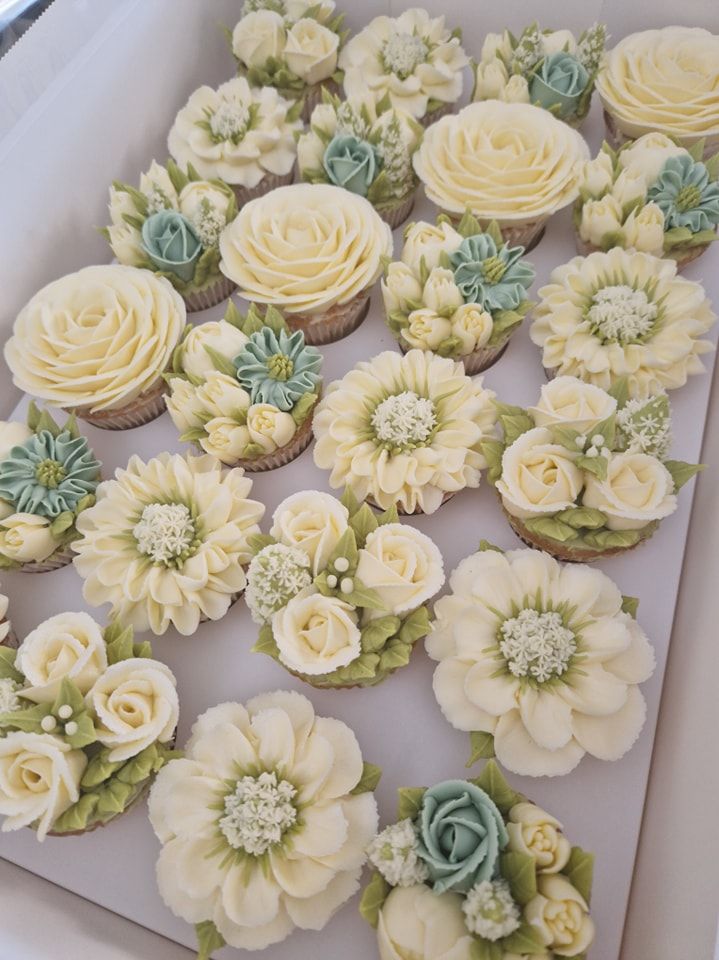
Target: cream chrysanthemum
{"x":509,"y":162}
{"x":260,"y":830}
{"x":623,"y":314}
{"x":412,"y":58}
{"x":166,"y":542}
{"x":541,"y":656}
{"x":404,"y":430}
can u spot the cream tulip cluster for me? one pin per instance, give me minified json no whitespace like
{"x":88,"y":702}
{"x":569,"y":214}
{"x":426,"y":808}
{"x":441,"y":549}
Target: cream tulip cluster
{"x":87,"y":717}
{"x":339,"y":592}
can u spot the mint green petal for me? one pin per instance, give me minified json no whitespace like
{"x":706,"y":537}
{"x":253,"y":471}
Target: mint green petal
{"x":351,"y":163}
{"x":559,"y":82}
{"x":685,"y":194}
{"x":170,"y":241}
{"x":278,"y":369}
{"x":495,"y":278}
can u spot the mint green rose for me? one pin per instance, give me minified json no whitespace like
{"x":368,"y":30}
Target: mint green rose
{"x":171,"y":243}
{"x":461,"y":833}
{"x":351,"y":163}
{"x":560,"y":81}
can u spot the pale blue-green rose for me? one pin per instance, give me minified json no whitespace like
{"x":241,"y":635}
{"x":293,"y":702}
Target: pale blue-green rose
{"x":278,"y":368}
{"x":560,"y":81}
{"x":171,"y":243}
{"x":460,"y":835}
{"x":685,"y":194}
{"x":351,"y":163}
{"x":496,"y":278}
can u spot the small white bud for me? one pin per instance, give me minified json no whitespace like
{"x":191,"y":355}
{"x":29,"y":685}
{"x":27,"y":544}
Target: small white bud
{"x":347,"y":585}
{"x":580,"y":441}
{"x":342,"y":564}
{"x":65,"y":711}
{"x":605,"y":452}
{"x":71,"y":728}
{"x":591,"y":452}
{"x":598,"y":440}
{"x":48,"y":723}
{"x":331,"y":580}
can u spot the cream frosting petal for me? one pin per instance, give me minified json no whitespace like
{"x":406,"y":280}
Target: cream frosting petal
{"x":609,"y":738}
{"x":516,"y":750}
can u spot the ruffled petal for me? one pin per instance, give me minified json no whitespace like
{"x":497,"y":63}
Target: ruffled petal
{"x":516,"y":751}
{"x":609,"y":738}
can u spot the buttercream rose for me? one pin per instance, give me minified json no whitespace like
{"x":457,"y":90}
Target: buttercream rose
{"x":171,"y":243}
{"x":225,"y":439}
{"x":350,"y":163}
{"x":26,"y":538}
{"x":312,"y":521}
{"x":600,"y":218}
{"x":417,"y":924}
{"x":311,"y":50}
{"x":218,"y":335}
{"x":222,"y":396}
{"x":537,"y":834}
{"x":399,"y":287}
{"x":472,"y":326}
{"x":258,"y":36}
{"x":461,"y":834}
{"x":402,"y":565}
{"x":316,"y":634}
{"x":39,"y":779}
{"x":561,"y":915}
{"x":425,"y":240}
{"x":441,"y":291}
{"x":12,"y":434}
{"x":559,"y":82}
{"x":68,"y":645}
{"x":135,"y":702}
{"x":569,"y":402}
{"x":269,"y":427}
{"x":647,"y":155}
{"x":638,"y":489}
{"x":425,"y":329}
{"x":538,"y":476}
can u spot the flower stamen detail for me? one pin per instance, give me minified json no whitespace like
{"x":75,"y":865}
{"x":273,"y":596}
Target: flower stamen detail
{"x":258,"y":813}
{"x":230,"y":121}
{"x":166,"y":533}
{"x":537,"y":645}
{"x":280,"y":367}
{"x":688,"y":197}
{"x":621,"y":313}
{"x":394,"y":853}
{"x":404,"y":421}
{"x":402,"y":53}
{"x":50,"y":473}
{"x":493,"y":269}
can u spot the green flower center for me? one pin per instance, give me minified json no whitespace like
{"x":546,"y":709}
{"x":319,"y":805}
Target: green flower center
{"x":402,"y":52}
{"x":493,"y":269}
{"x":166,"y":533}
{"x":280,"y":367}
{"x":688,"y":197}
{"x":258,"y":813}
{"x":50,"y":473}
{"x":621,"y":314}
{"x":230,"y":121}
{"x":537,"y":645}
{"x":404,"y":421}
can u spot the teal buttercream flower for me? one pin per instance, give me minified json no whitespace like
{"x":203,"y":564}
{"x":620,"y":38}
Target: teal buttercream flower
{"x":171,"y":243}
{"x":351,"y":163}
{"x":559,"y":82}
{"x":49,"y":475}
{"x":497,"y":279}
{"x":685,"y":194}
{"x":461,"y":833}
{"x":278,"y":368}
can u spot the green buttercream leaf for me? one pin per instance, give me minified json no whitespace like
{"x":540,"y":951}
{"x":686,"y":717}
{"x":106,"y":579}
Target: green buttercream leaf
{"x":193,"y":435}
{"x":503,"y":323}
{"x":696,"y":150}
{"x":266,"y":642}
{"x":514,"y":425}
{"x":492,"y":781}
{"x":445,"y":260}
{"x":142,"y":650}
{"x":252,"y":450}
{"x":363,"y":523}
{"x":121,"y":646}
{"x":362,"y":596}
{"x":178,"y":179}
{"x":274,"y":320}
{"x":495,"y":232}
{"x":112,"y":798}
{"x":409,"y":802}
{"x":677,"y":237}
{"x":565,"y":436}
{"x":233,"y":315}
{"x":46,"y":422}
{"x":596,"y":465}
{"x":620,"y":391}
{"x":580,"y":871}
{"x":482,"y":949}
{"x":7,"y":665}
{"x":27,"y":720}
{"x":33,"y":416}
{"x":396,"y":655}
{"x":702,"y":237}
{"x":469,"y":225}
{"x":303,"y":408}
{"x":371,"y":775}
{"x":712,"y":165}
{"x":526,"y":940}
{"x":373,"y":898}
{"x":258,"y":541}
{"x":362,"y":669}
{"x":482,"y":747}
{"x":85,"y":734}
{"x":84,"y":503}
{"x":209,"y":939}
{"x":682,"y":472}
{"x":578,"y":517}
{"x":377,"y":632}
{"x":492,"y":451}
{"x":449,"y":347}
{"x":423,"y":271}
{"x":220,"y":362}
{"x":605,"y":539}
{"x":390,"y":515}
{"x":99,"y":769}
{"x":77,"y":816}
{"x":486,"y":545}
{"x":550,"y":527}
{"x":140,"y":767}
{"x":346,"y":547}
{"x":68,"y":694}
{"x":61,"y":523}
{"x":415,"y":626}
{"x":350,"y":501}
{"x":7,"y":564}
{"x":520,"y":872}
{"x":630,"y":605}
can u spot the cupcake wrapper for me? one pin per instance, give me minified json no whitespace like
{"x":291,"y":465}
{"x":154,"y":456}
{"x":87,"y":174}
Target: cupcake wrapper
{"x":397,"y":214}
{"x":617,"y":138}
{"x":333,"y":324}
{"x":476,"y":361}
{"x":525,"y":235}
{"x":210,"y":296}
{"x":418,"y":511}
{"x":267,"y":183}
{"x":687,"y":257}
{"x":429,"y":118}
{"x":60,"y":558}
{"x":283,"y":455}
{"x":148,"y":406}
{"x":313,"y":96}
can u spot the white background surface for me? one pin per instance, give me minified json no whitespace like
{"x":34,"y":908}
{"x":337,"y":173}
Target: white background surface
{"x":114,"y":866}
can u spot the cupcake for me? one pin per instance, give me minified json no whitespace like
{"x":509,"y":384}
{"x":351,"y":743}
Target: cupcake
{"x":585,"y":474}
{"x":96,"y":343}
{"x":242,"y":135}
{"x":245,"y":388}
{"x":172,"y":226}
{"x":404,"y":431}
{"x":458,"y":292}
{"x":666,"y":81}
{"x":413,"y":59}
{"x":539,"y":662}
{"x":339,"y":593}
{"x":548,"y":68}
{"x":167,"y":542}
{"x":273,"y":807}
{"x":622,"y":314}
{"x":365,"y":147}
{"x":48,"y":476}
{"x":292,"y":46}
{"x":651,"y":195}
{"x":473,"y":869}
{"x":509,"y":162}
{"x":87,"y":718}
{"x":312,"y":251}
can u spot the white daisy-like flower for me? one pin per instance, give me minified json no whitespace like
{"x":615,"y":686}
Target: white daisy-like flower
{"x":166,"y":542}
{"x":274,"y":576}
{"x":623,"y":314}
{"x":260,"y":830}
{"x":404,"y":430}
{"x":541,"y":656}
{"x":394,"y":853}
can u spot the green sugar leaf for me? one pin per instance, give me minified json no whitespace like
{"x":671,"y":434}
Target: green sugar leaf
{"x":550,"y":527}
{"x":274,"y":320}
{"x":526,"y":940}
{"x":682,"y":472}
{"x":520,"y":872}
{"x":482,"y":746}
{"x":578,"y":517}
{"x":362,"y":596}
{"x":68,"y":694}
{"x":415,"y":626}
{"x":121,"y":646}
{"x":27,"y":720}
{"x":62,"y":522}
{"x":233,"y":315}
{"x":363,"y":522}
{"x":482,"y":949}
{"x":514,"y":425}
{"x":99,"y":769}
{"x":140,"y":767}
{"x":630,"y":605}
{"x":221,"y":363}
{"x":503,"y":323}
{"x":112,"y":798}
{"x":390,"y":515}
{"x":492,"y":781}
{"x":394,"y":657}
{"x":85,"y":733}
{"x":266,"y":642}
{"x":346,"y":547}
{"x":492,"y":451}
{"x":77,"y":816}
{"x":371,"y":775}
{"x":7,"y":665}
{"x":373,"y":898}
{"x":209,"y":939}
{"x":376,"y":633}
{"x":409,"y":802}
{"x":606,"y":539}
{"x":449,"y":347}
{"x":469,"y":225}
{"x":33,"y":416}
{"x":580,"y":871}
{"x":595,"y":465}
{"x":303,"y":408}
{"x":350,"y":501}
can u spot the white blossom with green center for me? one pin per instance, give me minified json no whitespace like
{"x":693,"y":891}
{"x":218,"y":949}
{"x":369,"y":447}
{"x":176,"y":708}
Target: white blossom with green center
{"x":230,"y":121}
{"x":208,"y":223}
{"x":394,"y":853}
{"x":403,"y":52}
{"x":166,"y":533}
{"x":490,"y":911}
{"x":537,"y":645}
{"x":275,"y":575}
{"x":621,"y":313}
{"x":404,"y":420}
{"x":258,"y":813}
{"x":9,"y":700}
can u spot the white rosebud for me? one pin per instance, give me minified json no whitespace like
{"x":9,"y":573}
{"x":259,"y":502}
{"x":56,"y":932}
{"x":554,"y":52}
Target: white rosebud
{"x":126,"y":243}
{"x":646,"y":156}
{"x":644,"y":229}
{"x":310,"y":152}
{"x":259,"y":36}
{"x":226,"y":439}
{"x":195,"y":195}
{"x":156,"y":185}
{"x":472,"y":325}
{"x":220,"y":336}
{"x":183,"y":405}
{"x":426,"y":329}
{"x":516,"y":91}
{"x":425,"y":240}
{"x":600,"y":217}
{"x":596,"y":176}
{"x":269,"y":427}
{"x":497,"y":45}
{"x":557,"y":40}
{"x":490,"y":80}
{"x":121,"y":203}
{"x":311,"y":51}
{"x":440,"y":290}
{"x":26,"y":537}
{"x":399,"y":287}
{"x":222,"y":396}
{"x":629,"y":189}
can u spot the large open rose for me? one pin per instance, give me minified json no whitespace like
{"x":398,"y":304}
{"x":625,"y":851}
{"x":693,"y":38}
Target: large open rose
{"x":417,"y":924}
{"x":67,"y":645}
{"x":402,"y":565}
{"x":311,"y":521}
{"x":637,"y":490}
{"x":538,"y":476}
{"x":311,"y":50}
{"x":258,"y":36}
{"x":316,"y":634}
{"x":569,"y":402}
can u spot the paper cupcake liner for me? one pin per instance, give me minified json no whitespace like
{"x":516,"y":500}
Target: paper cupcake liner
{"x":267,"y":183}
{"x":60,"y":558}
{"x":476,"y":361}
{"x":682,"y":260}
{"x":210,"y":296}
{"x":616,"y":137}
{"x":148,"y":406}
{"x":333,"y":324}
{"x":313,"y":96}
{"x":418,"y":511}
{"x":525,"y":235}
{"x":398,"y":213}
{"x":429,"y":118}
{"x":283,"y":455}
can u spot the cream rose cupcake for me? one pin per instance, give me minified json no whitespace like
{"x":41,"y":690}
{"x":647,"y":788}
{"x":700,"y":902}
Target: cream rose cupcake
{"x":585,"y":473}
{"x":539,"y":662}
{"x":651,"y":195}
{"x":663,"y":80}
{"x":365,"y":147}
{"x":244,"y":389}
{"x":509,"y":162}
{"x":273,"y":807}
{"x":167,"y":542}
{"x":514,"y":887}
{"x":96,"y":343}
{"x":7,"y":639}
{"x":172,"y":225}
{"x":622,"y":314}
{"x":87,"y":717}
{"x":458,"y":292}
{"x":291,"y":45}
{"x":404,"y":431}
{"x":312,"y":251}
{"x":340,"y":593}
{"x":48,"y":476}
{"x":549,"y":68}
{"x":242,"y":135}
{"x":413,"y":58}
